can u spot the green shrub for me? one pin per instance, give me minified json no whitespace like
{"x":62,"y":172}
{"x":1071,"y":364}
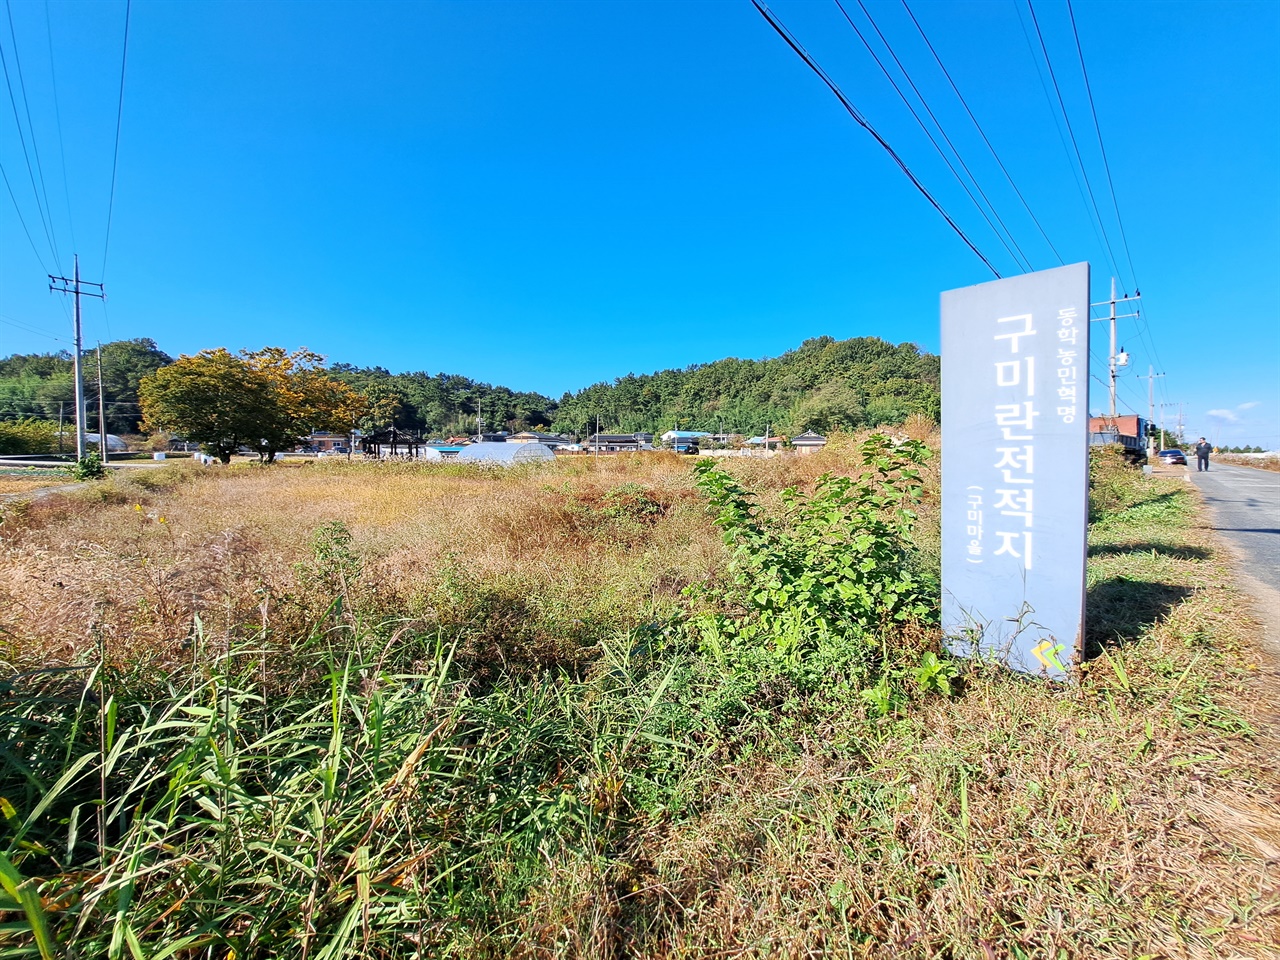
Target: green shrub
{"x":18,"y":437}
{"x":88,"y":468}
{"x":813,"y":589}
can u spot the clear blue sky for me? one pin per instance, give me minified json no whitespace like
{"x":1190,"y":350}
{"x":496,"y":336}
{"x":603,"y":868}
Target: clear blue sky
{"x":546,"y":195}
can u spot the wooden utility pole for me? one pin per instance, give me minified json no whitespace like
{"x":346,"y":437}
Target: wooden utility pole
{"x":75,"y":288}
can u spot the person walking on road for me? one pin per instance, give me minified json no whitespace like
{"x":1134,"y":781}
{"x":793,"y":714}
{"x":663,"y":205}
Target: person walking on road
{"x":1202,"y":455}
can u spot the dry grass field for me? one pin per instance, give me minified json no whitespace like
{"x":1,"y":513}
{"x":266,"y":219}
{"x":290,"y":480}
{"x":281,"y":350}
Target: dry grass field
{"x":18,"y":481}
{"x":384,"y":710}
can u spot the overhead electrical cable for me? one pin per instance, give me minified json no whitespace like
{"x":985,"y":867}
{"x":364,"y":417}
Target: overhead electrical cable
{"x":985,"y":139}
{"x":57,"y":114}
{"x":1101,"y":146}
{"x":35,"y":146}
{"x":1057,"y":122}
{"x":4,"y":64}
{"x":115,"y":154}
{"x":21,"y":325}
{"x":862,"y":121}
{"x":1119,"y":399}
{"x":22,"y":220}
{"x":1075,"y":146}
{"x":1144,"y":329}
{"x":1019,"y":257}
{"x":928,"y":133}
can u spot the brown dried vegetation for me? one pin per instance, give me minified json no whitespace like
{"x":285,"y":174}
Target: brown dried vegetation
{"x":1135,"y":813}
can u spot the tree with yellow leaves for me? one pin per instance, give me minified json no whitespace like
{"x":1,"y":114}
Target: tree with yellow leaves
{"x":268,"y":400}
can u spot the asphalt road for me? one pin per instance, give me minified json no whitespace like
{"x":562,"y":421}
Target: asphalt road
{"x":1244,"y":507}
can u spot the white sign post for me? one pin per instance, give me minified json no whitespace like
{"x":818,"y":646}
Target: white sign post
{"x":1015,"y":468}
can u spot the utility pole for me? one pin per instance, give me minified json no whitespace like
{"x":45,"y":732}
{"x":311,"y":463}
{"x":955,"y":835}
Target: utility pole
{"x":1116,"y":358}
{"x":76,"y":284}
{"x":102,"y":411}
{"x":1151,"y":406}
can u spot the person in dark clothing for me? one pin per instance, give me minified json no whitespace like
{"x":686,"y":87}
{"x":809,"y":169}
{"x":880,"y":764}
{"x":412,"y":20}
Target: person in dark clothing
{"x":1202,"y":455}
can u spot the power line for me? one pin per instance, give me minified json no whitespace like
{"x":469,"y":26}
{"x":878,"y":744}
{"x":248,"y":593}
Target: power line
{"x":115,"y":156}
{"x":29,"y":329}
{"x":21,"y":219}
{"x":1144,"y":330}
{"x":35,"y":146}
{"x":1101,"y":147}
{"x":1057,"y":124}
{"x":57,"y":113}
{"x":35,"y":403}
{"x":985,"y":139}
{"x":1121,"y":400}
{"x":4,"y":64}
{"x":1023,"y":263}
{"x":1075,"y":146}
{"x":862,"y":121}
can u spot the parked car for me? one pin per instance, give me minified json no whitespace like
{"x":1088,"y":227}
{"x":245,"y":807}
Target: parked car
{"x":1173,"y":457}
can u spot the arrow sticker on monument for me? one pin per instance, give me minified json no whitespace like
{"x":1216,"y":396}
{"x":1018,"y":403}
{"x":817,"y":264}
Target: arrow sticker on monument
{"x":1047,"y":653}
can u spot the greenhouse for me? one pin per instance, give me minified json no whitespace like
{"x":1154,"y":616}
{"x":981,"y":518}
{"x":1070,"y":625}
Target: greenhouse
{"x":505,"y":454}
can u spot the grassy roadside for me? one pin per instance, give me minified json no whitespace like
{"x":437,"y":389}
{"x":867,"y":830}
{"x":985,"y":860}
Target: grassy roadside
{"x":646,"y":799}
{"x":1132,"y":815}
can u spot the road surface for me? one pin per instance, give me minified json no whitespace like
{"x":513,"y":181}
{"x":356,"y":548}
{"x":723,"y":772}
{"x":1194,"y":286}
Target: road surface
{"x":1244,"y":507}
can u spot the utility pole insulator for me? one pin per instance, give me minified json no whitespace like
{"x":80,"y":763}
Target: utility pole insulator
{"x":1116,"y":358}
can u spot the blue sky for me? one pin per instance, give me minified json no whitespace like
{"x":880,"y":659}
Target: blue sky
{"x":547,"y":195}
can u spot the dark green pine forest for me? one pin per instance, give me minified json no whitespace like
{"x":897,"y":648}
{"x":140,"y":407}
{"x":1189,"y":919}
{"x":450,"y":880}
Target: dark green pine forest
{"x":823,"y":385}
{"x":38,"y":386}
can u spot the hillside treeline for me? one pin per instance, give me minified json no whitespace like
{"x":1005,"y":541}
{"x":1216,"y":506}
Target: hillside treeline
{"x":443,"y":404}
{"x":41,"y":386}
{"x":824,"y":385}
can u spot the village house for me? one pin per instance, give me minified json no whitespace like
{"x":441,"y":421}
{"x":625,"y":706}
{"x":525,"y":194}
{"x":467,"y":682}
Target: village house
{"x":323,"y":441}
{"x":769,"y":443}
{"x":683,"y":441}
{"x":618,"y":442}
{"x":808,"y":442}
{"x":551,"y":440}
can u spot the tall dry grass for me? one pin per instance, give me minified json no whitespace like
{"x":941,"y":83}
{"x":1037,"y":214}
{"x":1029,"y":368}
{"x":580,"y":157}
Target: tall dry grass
{"x":529,"y":564}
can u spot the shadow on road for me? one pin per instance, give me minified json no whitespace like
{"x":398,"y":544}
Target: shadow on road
{"x":1119,"y":610}
{"x":1163,"y":549}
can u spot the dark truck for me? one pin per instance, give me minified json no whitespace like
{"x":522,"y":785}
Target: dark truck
{"x":1129,"y":432}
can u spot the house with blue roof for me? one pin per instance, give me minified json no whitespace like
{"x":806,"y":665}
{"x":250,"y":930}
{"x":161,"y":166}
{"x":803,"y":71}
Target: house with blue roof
{"x":683,"y":441}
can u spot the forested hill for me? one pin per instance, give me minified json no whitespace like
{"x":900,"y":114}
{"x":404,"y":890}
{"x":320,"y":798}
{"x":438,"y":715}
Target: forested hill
{"x":824,"y":385}
{"x":41,"y":385}
{"x":445,"y":403}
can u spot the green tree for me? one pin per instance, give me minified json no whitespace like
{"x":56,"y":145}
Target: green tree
{"x":124,"y":364}
{"x":836,"y":406}
{"x":28,"y":436}
{"x":268,"y":400}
